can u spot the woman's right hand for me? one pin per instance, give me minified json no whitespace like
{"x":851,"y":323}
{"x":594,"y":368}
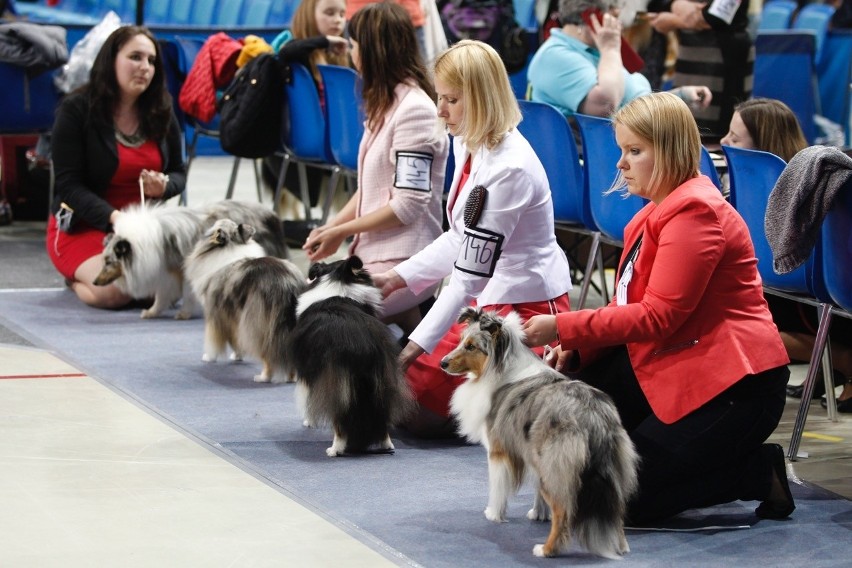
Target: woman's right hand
{"x":409,"y":353}
{"x":606,"y":34}
{"x":337,"y":45}
{"x":323,"y":242}
{"x":388,"y":282}
{"x":556,"y":357}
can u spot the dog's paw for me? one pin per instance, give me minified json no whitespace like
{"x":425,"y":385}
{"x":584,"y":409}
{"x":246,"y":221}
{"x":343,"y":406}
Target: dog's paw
{"x":262,"y":378}
{"x":332,"y":452}
{"x":494,"y":516}
{"x":235,"y":356}
{"x":208,"y":358}
{"x":183,"y":315}
{"x":542,"y":514}
{"x":149,"y":313}
{"x":538,"y":550}
{"x":307,"y":423}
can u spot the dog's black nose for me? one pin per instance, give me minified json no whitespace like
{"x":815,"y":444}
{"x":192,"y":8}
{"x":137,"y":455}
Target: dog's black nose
{"x":444,"y":363}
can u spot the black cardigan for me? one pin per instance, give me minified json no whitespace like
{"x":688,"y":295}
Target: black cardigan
{"x":85,"y":158}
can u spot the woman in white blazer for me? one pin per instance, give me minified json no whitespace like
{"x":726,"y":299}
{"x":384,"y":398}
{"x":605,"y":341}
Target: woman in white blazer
{"x":500,"y":251}
{"x":402,"y":160}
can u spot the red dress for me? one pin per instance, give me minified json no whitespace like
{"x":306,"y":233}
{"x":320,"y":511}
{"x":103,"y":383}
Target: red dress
{"x":68,"y":251}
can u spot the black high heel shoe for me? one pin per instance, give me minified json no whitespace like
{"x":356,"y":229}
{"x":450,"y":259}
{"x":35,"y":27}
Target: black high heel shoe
{"x":844,"y":406}
{"x":781,"y":508}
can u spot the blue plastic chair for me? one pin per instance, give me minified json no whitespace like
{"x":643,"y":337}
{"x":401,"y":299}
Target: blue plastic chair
{"x":708,"y":168}
{"x":28,"y":104}
{"x":776,"y":15}
{"x":255,"y":13}
{"x":345,"y":120}
{"x":611,"y":212}
{"x":834,"y":74}
{"x":281,"y":14}
{"x":228,"y":14}
{"x":815,"y":18}
{"x":306,"y":141}
{"x":549,"y":134}
{"x":784,"y":69}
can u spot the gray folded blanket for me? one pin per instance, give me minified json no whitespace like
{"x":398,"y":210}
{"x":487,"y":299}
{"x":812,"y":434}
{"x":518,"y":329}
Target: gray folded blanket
{"x":799,"y":201}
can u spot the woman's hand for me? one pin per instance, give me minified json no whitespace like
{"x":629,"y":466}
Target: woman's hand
{"x":696,"y":96}
{"x":337,"y":45}
{"x":540,"y":330}
{"x":409,"y":353}
{"x":606,"y":34}
{"x":153,"y":183}
{"x":388,"y":282}
{"x":323,"y":242}
{"x":556,"y":357}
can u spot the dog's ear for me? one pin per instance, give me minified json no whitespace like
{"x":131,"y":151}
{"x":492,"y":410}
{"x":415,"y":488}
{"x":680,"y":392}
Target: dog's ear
{"x":316,"y":270}
{"x":122,"y":248}
{"x":246,"y":231}
{"x":490,"y":323}
{"x":354,"y":263}
{"x":468,"y":314}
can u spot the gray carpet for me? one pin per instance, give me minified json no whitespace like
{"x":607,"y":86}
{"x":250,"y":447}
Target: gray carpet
{"x":426,"y":501}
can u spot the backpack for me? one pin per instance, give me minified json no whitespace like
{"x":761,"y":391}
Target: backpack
{"x":251,"y":110}
{"x":490,"y":21}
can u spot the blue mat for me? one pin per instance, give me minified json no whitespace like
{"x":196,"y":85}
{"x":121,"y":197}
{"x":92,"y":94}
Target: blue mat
{"x":426,"y":501}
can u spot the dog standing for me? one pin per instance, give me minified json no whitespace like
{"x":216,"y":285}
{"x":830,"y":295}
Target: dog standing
{"x":249,"y":298}
{"x":529,"y":415}
{"x":144,"y":255}
{"x":346,"y":359}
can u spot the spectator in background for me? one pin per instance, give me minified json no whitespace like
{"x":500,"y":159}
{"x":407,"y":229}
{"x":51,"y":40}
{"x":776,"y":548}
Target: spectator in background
{"x":714,"y":49}
{"x":414,"y":9}
{"x":770,"y":125}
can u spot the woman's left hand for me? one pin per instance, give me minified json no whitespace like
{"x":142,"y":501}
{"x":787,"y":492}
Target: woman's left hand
{"x":409,"y":353}
{"x":153,"y":183}
{"x":323,"y":242}
{"x":540,"y":330}
{"x":696,"y":96}
{"x":337,"y":45}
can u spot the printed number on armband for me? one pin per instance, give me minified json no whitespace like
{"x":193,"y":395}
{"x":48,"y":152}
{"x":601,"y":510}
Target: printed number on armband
{"x":413,"y":171}
{"x":479,"y":252}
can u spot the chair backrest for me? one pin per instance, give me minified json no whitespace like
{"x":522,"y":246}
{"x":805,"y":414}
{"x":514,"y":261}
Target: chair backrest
{"x":784,"y":69}
{"x":180,"y":12}
{"x":255,"y":13}
{"x":281,"y":14}
{"x":344,"y":113}
{"x":753,"y":174}
{"x":708,"y":168}
{"x":814,"y":18}
{"x":157,"y":11}
{"x":549,"y":134}
{"x":837,"y":250}
{"x":306,"y":135}
{"x":776,"y":15}
{"x":28,"y":104}
{"x":611,"y":212}
{"x":228,"y":15}
{"x":834,"y":72}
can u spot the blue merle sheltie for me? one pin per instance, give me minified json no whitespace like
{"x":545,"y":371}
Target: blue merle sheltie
{"x":529,"y":416}
{"x":345,"y":360}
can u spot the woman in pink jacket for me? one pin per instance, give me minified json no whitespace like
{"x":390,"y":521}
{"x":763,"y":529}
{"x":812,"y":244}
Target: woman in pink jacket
{"x":687,"y":349}
{"x":402,"y":159}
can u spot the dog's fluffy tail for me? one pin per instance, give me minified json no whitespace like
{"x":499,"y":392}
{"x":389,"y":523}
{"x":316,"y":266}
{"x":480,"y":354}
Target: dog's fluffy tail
{"x":606,"y":485}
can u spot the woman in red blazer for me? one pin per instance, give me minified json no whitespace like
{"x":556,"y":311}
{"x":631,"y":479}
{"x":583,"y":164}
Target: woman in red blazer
{"x":687,"y":349}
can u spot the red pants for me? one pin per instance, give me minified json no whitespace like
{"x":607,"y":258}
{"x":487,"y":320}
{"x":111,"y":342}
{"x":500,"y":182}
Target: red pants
{"x":433,"y":387}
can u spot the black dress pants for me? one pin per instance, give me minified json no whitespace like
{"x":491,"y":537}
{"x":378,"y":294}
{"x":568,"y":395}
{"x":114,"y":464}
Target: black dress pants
{"x":708,"y":457}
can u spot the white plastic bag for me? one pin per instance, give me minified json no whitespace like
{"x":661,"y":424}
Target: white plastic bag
{"x":75,"y":73}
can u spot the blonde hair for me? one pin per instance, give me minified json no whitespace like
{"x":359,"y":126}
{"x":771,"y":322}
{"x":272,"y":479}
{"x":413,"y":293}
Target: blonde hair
{"x":490,"y":108}
{"x":773,"y":127}
{"x":665,"y":121}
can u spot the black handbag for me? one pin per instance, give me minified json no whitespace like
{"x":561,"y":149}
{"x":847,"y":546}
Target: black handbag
{"x":251,"y":109}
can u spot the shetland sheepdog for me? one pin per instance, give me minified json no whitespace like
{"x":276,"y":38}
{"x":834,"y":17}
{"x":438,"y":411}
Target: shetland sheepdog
{"x":345,"y":359}
{"x":529,"y":415}
{"x":249,"y":298}
{"x":145,"y":252}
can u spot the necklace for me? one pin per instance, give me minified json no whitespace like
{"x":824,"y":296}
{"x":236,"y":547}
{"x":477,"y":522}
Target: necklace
{"x":130,"y":140}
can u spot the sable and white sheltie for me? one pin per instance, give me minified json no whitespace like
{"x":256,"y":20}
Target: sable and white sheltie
{"x":529,"y":415}
{"x":144,"y":255}
{"x":249,"y":298}
{"x":346,"y":359}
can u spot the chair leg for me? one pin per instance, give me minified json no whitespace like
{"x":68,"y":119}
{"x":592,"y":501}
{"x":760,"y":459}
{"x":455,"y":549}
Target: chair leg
{"x":828,"y":378}
{"x":257,"y":180}
{"x":303,"y":189}
{"x":594,"y":252}
{"x":233,"y":181}
{"x":810,"y":381}
{"x":602,"y":272}
{"x":329,"y":197}
{"x":279,"y":184}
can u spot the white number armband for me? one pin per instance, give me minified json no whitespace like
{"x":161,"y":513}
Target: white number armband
{"x":479,"y":252}
{"x":724,"y":9}
{"x":413,"y":171}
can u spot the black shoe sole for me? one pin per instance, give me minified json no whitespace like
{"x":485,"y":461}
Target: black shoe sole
{"x":767,"y":510}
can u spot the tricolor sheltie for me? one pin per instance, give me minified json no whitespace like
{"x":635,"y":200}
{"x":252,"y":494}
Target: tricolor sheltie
{"x":249,"y":298}
{"x":529,"y":415}
{"x":346,"y":359}
{"x":144,"y":254}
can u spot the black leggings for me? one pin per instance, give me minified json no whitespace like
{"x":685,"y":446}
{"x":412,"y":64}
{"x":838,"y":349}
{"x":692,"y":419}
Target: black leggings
{"x":707,"y":457}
